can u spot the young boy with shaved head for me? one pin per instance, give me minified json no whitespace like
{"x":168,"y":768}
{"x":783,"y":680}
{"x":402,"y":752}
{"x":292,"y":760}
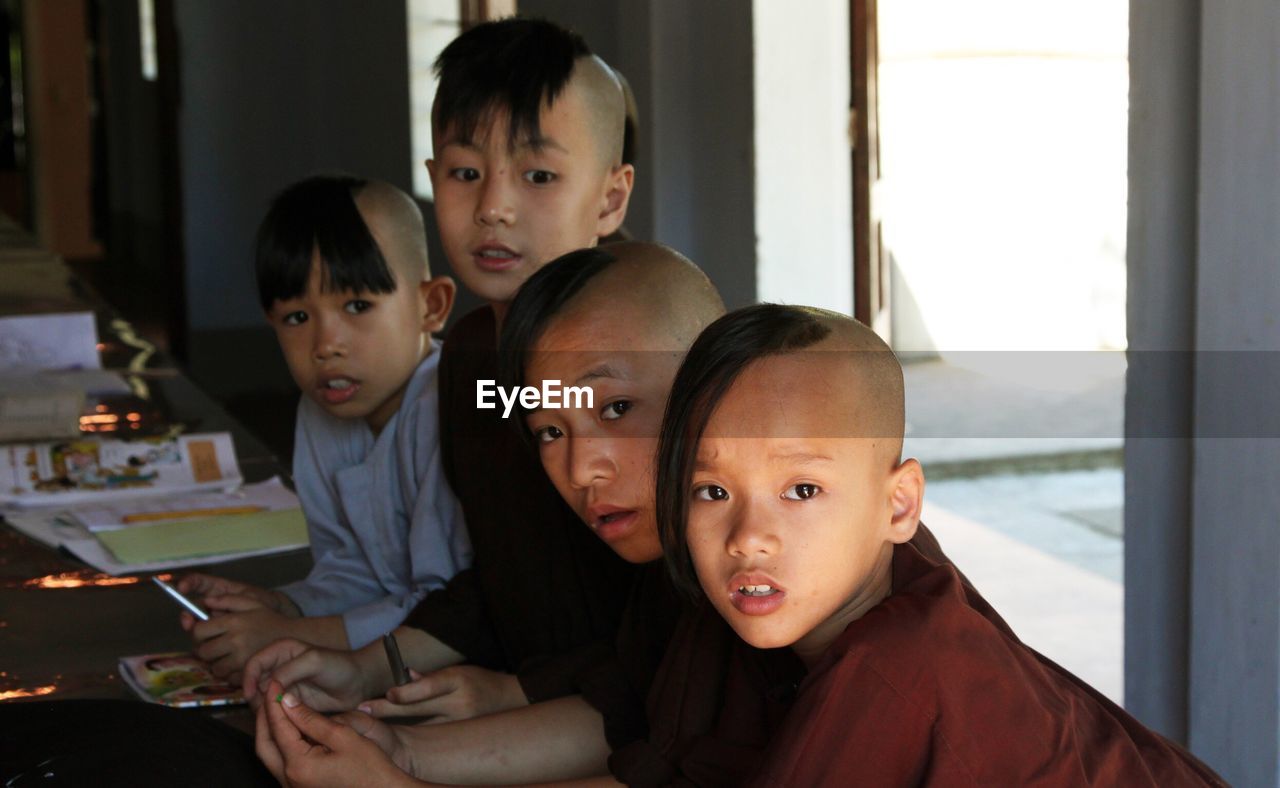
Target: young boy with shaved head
{"x":343,"y":279}
{"x":783,"y":498}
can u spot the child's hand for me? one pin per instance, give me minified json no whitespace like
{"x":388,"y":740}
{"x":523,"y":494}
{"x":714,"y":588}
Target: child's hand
{"x":327,"y":680}
{"x":300,"y":747}
{"x":387,"y":737}
{"x":237,"y":629}
{"x":454,"y":693}
{"x":208,"y":589}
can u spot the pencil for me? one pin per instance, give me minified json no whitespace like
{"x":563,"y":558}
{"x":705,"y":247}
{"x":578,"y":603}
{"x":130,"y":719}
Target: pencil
{"x":187,"y":514}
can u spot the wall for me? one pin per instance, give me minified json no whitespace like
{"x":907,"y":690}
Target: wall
{"x":1003,"y":142}
{"x":695,"y":177}
{"x":1202,"y":557}
{"x":272,"y":92}
{"x":804,"y":177}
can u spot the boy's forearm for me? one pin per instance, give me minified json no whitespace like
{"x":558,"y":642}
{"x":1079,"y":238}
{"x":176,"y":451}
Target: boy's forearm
{"x":423,"y":652}
{"x":418,"y":650}
{"x":561,"y":739}
{"x":324,"y":631}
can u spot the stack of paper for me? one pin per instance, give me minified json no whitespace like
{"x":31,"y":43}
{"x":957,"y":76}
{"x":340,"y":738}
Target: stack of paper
{"x":131,"y":506}
{"x":150,"y":535}
{"x":49,"y":364}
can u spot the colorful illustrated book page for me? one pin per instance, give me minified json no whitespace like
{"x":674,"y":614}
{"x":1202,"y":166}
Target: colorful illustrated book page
{"x":177,"y":679}
{"x":67,"y":473}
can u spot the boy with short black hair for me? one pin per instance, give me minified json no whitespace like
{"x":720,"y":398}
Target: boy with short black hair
{"x":342,"y":274}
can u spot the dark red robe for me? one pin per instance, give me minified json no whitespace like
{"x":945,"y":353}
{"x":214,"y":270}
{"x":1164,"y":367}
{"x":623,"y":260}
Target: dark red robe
{"x":925,"y":690}
{"x":541,"y":583}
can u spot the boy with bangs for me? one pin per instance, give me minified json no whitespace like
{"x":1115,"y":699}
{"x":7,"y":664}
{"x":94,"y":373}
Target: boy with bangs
{"x":342,"y":275}
{"x":783,"y":497}
{"x":528,"y":130}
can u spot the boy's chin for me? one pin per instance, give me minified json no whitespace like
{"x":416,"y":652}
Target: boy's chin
{"x":351,"y":409}
{"x":495,"y":287}
{"x":757,"y":631}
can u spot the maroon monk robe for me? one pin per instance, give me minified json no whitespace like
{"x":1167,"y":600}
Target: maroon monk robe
{"x":924,"y":690}
{"x":715,"y":702}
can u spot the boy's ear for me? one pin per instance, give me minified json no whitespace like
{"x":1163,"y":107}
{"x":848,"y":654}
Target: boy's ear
{"x":617,"y":195}
{"x":907,"y":497}
{"x":437,"y":302}
{"x":431,"y":169}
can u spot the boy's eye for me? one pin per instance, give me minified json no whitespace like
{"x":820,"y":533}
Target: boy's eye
{"x":539,"y":177}
{"x":547,"y":434}
{"x":710,"y":492}
{"x":464,"y":174}
{"x":801,"y":492}
{"x":294,"y":318}
{"x":357,"y":305}
{"x":614,"y":410}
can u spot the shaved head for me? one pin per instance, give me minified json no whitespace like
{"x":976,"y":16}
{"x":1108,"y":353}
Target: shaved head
{"x":606,"y":105}
{"x":869,"y":386}
{"x":665,"y":298}
{"x":633,"y":298}
{"x":395,"y":221}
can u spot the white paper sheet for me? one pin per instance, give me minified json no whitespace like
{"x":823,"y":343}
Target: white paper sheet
{"x":61,"y":529}
{"x":61,"y":341}
{"x":268,"y":496}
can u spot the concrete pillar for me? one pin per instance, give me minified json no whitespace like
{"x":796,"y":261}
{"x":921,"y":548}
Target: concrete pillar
{"x":1202,"y":546}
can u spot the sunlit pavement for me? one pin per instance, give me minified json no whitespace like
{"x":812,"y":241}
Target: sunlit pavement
{"x":1045,"y":547}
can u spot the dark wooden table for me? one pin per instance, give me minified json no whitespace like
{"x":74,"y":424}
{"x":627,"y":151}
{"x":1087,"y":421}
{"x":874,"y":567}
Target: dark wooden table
{"x":63,"y":626}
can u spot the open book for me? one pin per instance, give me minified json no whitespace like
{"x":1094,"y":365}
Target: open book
{"x":66,"y":473}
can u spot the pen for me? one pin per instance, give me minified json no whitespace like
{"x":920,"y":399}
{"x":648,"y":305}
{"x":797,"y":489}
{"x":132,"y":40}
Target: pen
{"x":195,"y":609}
{"x":399,"y":673}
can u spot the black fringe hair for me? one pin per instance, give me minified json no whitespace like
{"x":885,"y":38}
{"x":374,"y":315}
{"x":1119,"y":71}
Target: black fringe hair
{"x":318,"y":214}
{"x":717,"y":357}
{"x":514,"y":64}
{"x":539,"y":299}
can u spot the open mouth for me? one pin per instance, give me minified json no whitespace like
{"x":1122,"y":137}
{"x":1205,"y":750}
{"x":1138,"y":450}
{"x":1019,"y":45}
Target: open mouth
{"x":496,"y":257}
{"x":613,"y":524}
{"x":336,"y":391}
{"x":755,"y":596}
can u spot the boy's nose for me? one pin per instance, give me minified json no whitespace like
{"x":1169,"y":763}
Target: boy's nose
{"x":752,"y":533}
{"x":495,"y":206}
{"x":589,"y":462}
{"x":330,"y":341}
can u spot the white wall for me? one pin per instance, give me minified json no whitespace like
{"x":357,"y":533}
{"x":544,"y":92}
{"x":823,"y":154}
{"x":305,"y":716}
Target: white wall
{"x":804,"y":192}
{"x":1003,"y":141}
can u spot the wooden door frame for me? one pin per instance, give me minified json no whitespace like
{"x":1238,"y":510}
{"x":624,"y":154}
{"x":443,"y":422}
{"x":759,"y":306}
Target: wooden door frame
{"x":870,"y":269}
{"x":474,"y":12}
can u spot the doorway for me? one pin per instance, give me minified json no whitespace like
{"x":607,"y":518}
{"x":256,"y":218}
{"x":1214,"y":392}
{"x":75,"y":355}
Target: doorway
{"x":990,"y":216}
